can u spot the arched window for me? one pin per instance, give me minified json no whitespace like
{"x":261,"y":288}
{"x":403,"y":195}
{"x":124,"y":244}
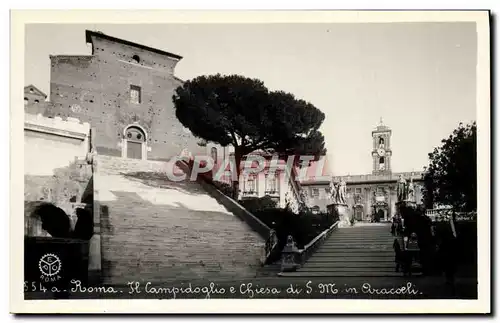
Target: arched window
{"x":381,"y":163}
{"x":250,"y":184}
{"x":381,"y":142}
{"x":271,"y":183}
{"x":135,"y":134}
{"x":26,"y":101}
{"x":136,"y":59}
{"x":315,"y":209}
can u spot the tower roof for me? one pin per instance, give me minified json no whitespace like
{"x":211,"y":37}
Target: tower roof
{"x":381,"y":126}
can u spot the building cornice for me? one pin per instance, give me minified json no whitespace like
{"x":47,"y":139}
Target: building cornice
{"x":89,"y":34}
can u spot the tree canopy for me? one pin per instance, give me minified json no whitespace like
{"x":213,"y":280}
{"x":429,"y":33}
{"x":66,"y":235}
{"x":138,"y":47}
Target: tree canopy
{"x":242,"y":112}
{"x":451,"y":177}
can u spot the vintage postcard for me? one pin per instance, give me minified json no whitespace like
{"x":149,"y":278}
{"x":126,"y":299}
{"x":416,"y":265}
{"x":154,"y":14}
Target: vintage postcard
{"x":250,"y":162}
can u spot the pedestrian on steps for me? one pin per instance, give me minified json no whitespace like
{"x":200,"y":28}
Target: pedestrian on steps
{"x":396,"y":227}
{"x":412,"y":251}
{"x":399,"y":254}
{"x":448,"y":255}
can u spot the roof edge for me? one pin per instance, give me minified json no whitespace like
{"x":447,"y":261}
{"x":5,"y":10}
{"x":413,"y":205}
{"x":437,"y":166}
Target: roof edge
{"x":89,"y":34}
{"x":37,"y":89}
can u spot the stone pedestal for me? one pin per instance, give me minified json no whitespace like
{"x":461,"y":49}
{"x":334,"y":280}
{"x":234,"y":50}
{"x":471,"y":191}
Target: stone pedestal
{"x":289,"y":256}
{"x":342,"y":211}
{"x":404,"y":204}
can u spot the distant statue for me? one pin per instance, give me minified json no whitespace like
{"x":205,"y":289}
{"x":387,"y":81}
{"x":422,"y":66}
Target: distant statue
{"x":338,"y":192}
{"x":342,"y":192}
{"x":402,"y":190}
{"x":411,"y":191}
{"x":333,"y":190}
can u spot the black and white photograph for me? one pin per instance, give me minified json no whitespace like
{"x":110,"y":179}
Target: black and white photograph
{"x":335,"y":160}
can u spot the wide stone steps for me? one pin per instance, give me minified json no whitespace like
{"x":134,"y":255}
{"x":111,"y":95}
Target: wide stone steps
{"x":157,"y":230}
{"x":350,"y":261}
{"x":350,"y":247}
{"x":342,"y":265}
{"x":346,"y":255}
{"x":114,"y":165}
{"x":330,"y":274}
{"x":364,"y":251}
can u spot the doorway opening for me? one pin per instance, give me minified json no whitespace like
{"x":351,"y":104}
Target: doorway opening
{"x":134,"y":143}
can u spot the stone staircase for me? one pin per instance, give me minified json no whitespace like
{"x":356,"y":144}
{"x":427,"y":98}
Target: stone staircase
{"x":359,"y":251}
{"x":157,"y":230}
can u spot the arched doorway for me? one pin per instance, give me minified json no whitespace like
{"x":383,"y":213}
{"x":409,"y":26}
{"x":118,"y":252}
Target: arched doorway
{"x":379,"y":216}
{"x":380,"y":212}
{"x":358,"y":212}
{"x":134,"y":142}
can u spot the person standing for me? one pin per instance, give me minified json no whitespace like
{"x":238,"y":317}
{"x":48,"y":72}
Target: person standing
{"x":412,"y":251}
{"x":448,"y":256}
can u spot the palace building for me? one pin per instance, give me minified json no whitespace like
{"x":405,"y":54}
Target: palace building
{"x":369,"y":196}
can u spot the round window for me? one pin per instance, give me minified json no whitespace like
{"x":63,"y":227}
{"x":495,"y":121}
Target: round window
{"x":129,"y":135}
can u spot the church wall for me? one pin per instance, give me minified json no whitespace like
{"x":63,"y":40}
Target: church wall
{"x":55,"y":166}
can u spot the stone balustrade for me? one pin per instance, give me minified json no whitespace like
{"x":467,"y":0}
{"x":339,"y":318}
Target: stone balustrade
{"x":293,"y":258}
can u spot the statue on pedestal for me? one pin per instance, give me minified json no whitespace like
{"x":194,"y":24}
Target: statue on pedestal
{"x":339,"y":207}
{"x":402,"y":189}
{"x":333,"y":190}
{"x":342,"y":192}
{"x":411,"y":191}
{"x":338,"y":192}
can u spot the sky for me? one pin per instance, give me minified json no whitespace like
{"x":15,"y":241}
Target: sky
{"x":420,"y":78}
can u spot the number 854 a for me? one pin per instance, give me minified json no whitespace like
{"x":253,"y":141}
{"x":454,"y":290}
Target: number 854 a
{"x":33,"y":287}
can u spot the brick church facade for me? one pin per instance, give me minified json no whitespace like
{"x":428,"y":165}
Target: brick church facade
{"x":124,"y":90}
{"x":369,"y":196}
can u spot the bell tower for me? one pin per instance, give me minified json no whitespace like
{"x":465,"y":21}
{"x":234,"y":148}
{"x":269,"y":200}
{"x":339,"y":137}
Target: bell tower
{"x":381,"y":152}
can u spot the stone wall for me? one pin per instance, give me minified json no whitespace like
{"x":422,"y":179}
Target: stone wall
{"x":96,"y":89}
{"x":55,"y":165}
{"x":51,"y":143}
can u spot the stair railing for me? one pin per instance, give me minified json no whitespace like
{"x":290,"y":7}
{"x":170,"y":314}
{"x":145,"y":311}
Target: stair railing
{"x":294,"y":258}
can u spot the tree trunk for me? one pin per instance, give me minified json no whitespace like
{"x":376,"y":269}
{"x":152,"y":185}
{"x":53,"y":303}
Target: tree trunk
{"x":236,"y":184}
